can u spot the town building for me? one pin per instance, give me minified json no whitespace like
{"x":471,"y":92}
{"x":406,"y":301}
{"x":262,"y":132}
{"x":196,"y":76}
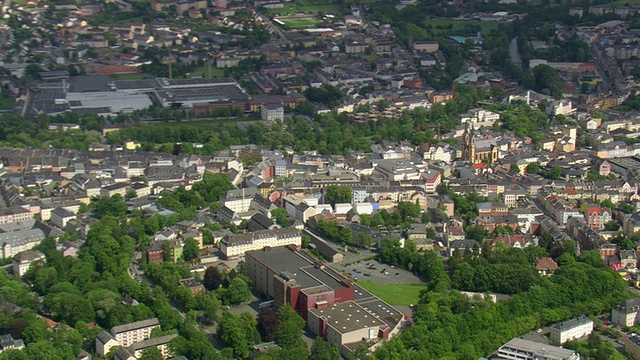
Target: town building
{"x":233,"y":246}
{"x":626,"y":313}
{"x":571,"y":329}
{"x":129,"y":334}
{"x":7,"y":342}
{"x":60,"y":217}
{"x":271,"y":112}
{"x":14,"y":242}
{"x":521,"y":349}
{"x":319,"y":294}
{"x":23,"y":261}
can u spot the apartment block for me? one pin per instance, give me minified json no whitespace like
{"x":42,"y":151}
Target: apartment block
{"x":571,"y":329}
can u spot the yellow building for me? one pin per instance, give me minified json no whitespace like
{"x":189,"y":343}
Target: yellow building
{"x":478,"y":151}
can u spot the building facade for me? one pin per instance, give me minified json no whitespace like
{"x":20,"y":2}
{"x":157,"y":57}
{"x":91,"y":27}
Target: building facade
{"x":571,"y":329}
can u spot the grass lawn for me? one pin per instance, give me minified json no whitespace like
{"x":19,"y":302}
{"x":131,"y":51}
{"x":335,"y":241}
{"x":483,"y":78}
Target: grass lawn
{"x":395,"y":294}
{"x":203,"y":71}
{"x":6,"y":103}
{"x":205,"y":124}
{"x":305,"y":8}
{"x":443,"y":26}
{"x":300,"y":23}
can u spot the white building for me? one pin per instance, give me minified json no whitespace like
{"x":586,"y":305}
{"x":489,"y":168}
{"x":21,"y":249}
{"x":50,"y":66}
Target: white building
{"x":571,"y":329}
{"x":14,"y":242}
{"x":60,"y":217}
{"x":479,"y":118}
{"x":233,"y":246}
{"x":104,"y":343}
{"x":129,"y":334}
{"x":161,"y":343}
{"x":626,"y":313}
{"x":272,"y":112}
{"x":520,"y":349}
{"x":23,"y":261}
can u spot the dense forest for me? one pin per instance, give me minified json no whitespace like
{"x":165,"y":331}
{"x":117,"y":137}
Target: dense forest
{"x":468,"y":328}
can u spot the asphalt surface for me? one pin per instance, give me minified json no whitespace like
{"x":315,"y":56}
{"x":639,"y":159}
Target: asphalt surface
{"x":359,"y":271}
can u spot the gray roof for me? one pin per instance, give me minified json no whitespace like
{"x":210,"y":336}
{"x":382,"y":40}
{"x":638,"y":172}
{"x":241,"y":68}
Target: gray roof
{"x":572,"y":323}
{"x":63,"y":213}
{"x":28,"y":255}
{"x":539,"y":349}
{"x":629,"y":306}
{"x":104,"y":337}
{"x":134,"y":326}
{"x":17,"y":238}
{"x":153,"y":342}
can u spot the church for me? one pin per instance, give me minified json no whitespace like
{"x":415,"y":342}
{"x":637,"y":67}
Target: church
{"x":478,"y":150}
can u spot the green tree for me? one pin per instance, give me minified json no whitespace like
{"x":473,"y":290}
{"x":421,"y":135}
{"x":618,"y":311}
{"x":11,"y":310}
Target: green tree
{"x":151,"y":353}
{"x":237,"y":292}
{"x":212,"y":278}
{"x":289,"y":333}
{"x":612,"y":225}
{"x":190,"y":249}
{"x":322,"y":350}
{"x":514,"y":168}
{"x":533,"y":168}
{"x":338,"y":194}
{"x":112,"y":206}
{"x":281,"y":217}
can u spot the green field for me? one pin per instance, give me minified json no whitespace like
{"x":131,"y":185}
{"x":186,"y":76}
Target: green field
{"x":203,"y":71}
{"x":443,"y":26}
{"x":205,"y":124}
{"x":301,"y":23}
{"x":304,"y":7}
{"x":395,"y":294}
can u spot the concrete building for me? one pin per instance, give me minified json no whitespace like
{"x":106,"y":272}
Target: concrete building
{"x":632,"y":347}
{"x":129,"y":334}
{"x":161,"y":343}
{"x":14,"y":214}
{"x":272,"y":112}
{"x":571,"y":329}
{"x":626,"y":313}
{"x":60,"y":217}
{"x":104,"y":343}
{"x":233,"y":246}
{"x":521,"y":349}
{"x":22,"y":261}
{"x":14,"y":242}
{"x":289,"y":276}
{"x":346,"y":323}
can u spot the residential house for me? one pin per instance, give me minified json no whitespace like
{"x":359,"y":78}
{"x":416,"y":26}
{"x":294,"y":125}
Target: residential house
{"x":129,"y":334}
{"x":546,"y":266}
{"x":7,"y":342}
{"x":23,"y":261}
{"x":233,"y":246}
{"x":104,"y":343}
{"x":192,"y":284}
{"x":626,"y":313}
{"x":573,"y":329}
{"x":60,"y":217}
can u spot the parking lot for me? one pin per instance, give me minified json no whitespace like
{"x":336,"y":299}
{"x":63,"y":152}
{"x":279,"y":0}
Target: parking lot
{"x":378,"y":273}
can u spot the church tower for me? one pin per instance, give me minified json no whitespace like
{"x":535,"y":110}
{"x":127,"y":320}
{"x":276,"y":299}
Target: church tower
{"x":469,"y":144}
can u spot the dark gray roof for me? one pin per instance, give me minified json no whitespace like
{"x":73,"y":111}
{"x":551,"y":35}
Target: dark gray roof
{"x":570,"y":324}
{"x":104,"y":337}
{"x":153,"y":342}
{"x":134,"y":326}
